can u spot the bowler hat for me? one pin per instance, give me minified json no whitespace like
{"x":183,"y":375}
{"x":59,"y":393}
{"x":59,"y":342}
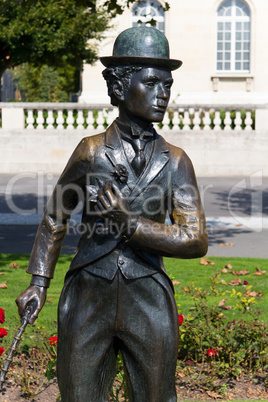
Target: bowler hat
{"x":143,"y":46}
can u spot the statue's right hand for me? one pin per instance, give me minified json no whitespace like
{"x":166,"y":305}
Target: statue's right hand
{"x":33,"y":298}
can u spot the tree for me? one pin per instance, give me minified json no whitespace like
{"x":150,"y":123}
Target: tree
{"x":54,"y":32}
{"x":39,"y":84}
{"x":45,"y":83}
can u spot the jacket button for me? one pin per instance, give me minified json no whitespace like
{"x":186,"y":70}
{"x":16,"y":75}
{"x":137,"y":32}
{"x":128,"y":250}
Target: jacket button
{"x":121,"y":262}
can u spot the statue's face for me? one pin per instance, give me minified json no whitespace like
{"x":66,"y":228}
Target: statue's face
{"x":147,"y":97}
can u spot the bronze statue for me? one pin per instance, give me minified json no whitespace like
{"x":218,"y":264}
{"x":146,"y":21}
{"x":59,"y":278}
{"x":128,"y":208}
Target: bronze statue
{"x":117,"y":295}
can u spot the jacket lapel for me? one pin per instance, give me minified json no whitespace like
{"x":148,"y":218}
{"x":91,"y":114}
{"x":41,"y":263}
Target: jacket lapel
{"x":115,"y":155}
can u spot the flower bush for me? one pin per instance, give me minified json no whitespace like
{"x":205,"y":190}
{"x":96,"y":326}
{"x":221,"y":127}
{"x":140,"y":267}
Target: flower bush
{"x":236,"y":346}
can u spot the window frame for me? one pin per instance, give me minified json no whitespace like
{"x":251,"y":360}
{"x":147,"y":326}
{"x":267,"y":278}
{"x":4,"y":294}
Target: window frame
{"x":233,"y":20}
{"x":160,"y":19}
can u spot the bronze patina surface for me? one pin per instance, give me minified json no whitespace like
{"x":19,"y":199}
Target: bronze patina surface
{"x":135,"y":44}
{"x":117,"y":295}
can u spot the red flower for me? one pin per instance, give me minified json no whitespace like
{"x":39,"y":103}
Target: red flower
{"x":2,"y":316}
{"x":180,"y":319}
{"x":53,"y":340}
{"x":211,"y":352}
{"x":3,"y":332}
{"x":1,"y":350}
{"x":245,"y":283}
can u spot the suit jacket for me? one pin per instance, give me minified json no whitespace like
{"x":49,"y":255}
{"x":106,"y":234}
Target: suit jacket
{"x":166,"y":186}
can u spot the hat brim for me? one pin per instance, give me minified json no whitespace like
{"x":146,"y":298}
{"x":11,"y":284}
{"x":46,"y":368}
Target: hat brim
{"x":170,"y":64}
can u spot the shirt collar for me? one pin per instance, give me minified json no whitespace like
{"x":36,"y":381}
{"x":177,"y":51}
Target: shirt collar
{"x":134,"y":131}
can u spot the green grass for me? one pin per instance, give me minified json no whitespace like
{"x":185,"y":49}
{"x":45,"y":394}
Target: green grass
{"x":17,"y":281}
{"x":184,"y":271}
{"x":191,"y":271}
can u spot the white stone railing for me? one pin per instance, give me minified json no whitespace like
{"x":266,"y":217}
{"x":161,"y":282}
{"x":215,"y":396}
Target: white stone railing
{"x":70,"y":116}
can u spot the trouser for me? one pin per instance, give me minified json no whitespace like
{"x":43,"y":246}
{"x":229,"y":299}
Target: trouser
{"x":97,"y":317}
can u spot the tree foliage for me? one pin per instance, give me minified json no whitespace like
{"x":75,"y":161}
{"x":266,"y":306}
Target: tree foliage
{"x":45,"y":83}
{"x":49,"y":32}
{"x":54,"y":33}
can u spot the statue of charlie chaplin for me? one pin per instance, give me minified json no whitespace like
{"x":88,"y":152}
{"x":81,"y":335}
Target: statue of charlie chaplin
{"x":117,"y":295}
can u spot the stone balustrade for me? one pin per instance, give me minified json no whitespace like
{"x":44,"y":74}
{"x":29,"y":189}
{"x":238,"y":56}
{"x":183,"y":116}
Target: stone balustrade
{"x":220,"y":140}
{"x":70,"y":116}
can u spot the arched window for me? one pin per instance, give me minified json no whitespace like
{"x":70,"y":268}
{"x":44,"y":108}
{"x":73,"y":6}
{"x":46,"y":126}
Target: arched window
{"x":233,"y":37}
{"x":149,"y":12}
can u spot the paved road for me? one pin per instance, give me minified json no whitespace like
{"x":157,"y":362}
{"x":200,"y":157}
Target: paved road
{"x":236,"y":211}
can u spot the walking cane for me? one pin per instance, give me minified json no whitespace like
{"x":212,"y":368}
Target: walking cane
{"x":24,"y":322}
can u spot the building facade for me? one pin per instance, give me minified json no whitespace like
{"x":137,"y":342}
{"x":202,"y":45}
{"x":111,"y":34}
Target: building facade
{"x":222,"y":43}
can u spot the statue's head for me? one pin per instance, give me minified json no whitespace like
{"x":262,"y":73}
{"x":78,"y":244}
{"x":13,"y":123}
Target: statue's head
{"x":143,"y":51}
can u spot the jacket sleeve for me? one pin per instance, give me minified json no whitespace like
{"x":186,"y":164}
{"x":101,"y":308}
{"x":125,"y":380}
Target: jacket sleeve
{"x":186,"y":237}
{"x":69,"y":190}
